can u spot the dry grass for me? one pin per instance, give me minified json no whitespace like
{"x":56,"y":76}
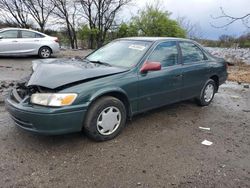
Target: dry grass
{"x":239,"y":73}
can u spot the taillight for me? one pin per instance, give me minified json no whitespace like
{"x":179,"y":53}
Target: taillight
{"x":56,"y":40}
{"x":226,"y":64}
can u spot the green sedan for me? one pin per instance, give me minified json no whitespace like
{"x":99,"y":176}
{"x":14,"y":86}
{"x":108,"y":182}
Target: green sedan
{"x":98,"y":93}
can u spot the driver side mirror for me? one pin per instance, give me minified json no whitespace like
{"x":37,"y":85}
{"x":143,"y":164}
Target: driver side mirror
{"x":150,"y":66}
{"x":1,"y":37}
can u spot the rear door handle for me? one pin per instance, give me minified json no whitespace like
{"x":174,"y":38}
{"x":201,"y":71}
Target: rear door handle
{"x":179,"y":76}
{"x":14,"y":41}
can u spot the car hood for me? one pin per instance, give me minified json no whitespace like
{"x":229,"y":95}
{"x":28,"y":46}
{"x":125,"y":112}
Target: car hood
{"x":60,"y":72}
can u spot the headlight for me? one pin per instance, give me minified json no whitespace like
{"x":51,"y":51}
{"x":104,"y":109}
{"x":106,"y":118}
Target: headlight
{"x":53,"y":99}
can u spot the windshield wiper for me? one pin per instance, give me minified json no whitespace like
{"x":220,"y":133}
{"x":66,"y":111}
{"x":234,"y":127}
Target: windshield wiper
{"x":101,"y":63}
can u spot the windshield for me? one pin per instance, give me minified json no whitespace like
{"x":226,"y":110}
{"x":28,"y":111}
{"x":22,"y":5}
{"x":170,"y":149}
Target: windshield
{"x":124,"y":53}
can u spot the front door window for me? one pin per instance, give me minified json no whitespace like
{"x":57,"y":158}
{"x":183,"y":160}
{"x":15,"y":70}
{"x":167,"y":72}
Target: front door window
{"x":9,"y":34}
{"x":166,"y":53}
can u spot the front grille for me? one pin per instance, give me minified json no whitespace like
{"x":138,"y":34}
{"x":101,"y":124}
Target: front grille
{"x":17,"y":95}
{"x":13,"y":98}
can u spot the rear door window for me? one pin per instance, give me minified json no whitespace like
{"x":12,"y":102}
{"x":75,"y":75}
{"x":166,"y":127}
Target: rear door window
{"x":166,"y":53}
{"x":11,"y":34}
{"x":30,"y":34}
{"x":191,"y":53}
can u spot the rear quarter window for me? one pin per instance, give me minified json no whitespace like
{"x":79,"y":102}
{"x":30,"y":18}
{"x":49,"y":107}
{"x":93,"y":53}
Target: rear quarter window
{"x":191,"y":53}
{"x":39,"y":35}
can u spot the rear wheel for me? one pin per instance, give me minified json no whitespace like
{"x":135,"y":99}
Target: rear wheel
{"x":207,"y":93}
{"x":44,"y":52}
{"x":105,"y":119}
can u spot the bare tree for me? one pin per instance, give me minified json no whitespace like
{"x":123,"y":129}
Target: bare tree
{"x":100,"y":15}
{"x":231,"y":19}
{"x":40,"y":10}
{"x":90,"y":17}
{"x":193,"y":30}
{"x":15,"y":13}
{"x":66,"y":12}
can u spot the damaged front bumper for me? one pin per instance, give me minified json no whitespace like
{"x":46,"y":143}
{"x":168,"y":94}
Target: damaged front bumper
{"x":45,"y":120}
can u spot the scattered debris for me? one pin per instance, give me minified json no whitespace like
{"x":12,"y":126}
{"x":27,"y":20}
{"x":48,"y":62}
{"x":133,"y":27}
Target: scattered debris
{"x":222,"y":166}
{"x":235,"y":97}
{"x":205,"y":128}
{"x":246,"y":86}
{"x":206,"y":143}
{"x":139,"y":184}
{"x":246,"y":110}
{"x":7,"y":67}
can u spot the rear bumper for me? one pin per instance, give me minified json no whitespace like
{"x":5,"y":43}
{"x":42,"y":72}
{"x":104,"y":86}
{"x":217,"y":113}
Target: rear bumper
{"x":223,"y":78}
{"x":55,"y":48}
{"x":48,"y":122}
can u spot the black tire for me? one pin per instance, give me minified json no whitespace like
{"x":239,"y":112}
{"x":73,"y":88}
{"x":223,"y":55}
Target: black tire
{"x":202,"y":100}
{"x":44,"y":52}
{"x":90,"y":126}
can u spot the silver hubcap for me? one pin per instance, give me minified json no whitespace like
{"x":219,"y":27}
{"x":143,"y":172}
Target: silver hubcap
{"x":109,"y":120}
{"x":209,"y":92}
{"x":45,"y":52}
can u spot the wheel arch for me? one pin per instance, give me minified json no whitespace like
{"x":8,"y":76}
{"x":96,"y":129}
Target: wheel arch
{"x":117,"y":93}
{"x":215,"y":78}
{"x":47,"y":47}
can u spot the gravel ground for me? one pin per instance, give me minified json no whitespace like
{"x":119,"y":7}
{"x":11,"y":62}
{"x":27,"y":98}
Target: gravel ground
{"x":160,"y":148}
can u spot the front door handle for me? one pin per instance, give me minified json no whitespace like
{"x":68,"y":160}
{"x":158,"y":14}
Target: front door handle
{"x":14,"y":41}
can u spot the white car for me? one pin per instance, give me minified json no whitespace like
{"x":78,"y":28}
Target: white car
{"x":16,"y":41}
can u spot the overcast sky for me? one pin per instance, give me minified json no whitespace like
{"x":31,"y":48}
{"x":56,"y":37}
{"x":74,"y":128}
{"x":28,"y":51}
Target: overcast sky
{"x":200,"y":11}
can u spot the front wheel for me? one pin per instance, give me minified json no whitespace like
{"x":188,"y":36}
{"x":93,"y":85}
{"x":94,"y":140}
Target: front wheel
{"x":105,"y":119}
{"x":44,"y":52}
{"x":207,"y":93}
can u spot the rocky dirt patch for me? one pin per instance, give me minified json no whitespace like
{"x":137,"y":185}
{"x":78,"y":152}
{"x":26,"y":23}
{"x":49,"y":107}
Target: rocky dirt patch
{"x":232,"y":55}
{"x":239,"y":59}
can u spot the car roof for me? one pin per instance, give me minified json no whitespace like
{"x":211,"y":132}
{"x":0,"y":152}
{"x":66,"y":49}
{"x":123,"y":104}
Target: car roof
{"x":154,"y":39}
{"x":15,"y":28}
{"x":22,"y":29}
